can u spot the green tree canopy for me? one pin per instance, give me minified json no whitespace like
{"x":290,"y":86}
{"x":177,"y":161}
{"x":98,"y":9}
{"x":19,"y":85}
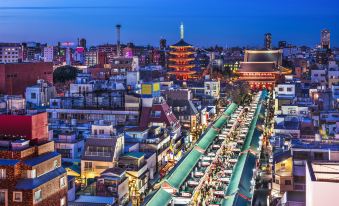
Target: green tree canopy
{"x":64,"y":73}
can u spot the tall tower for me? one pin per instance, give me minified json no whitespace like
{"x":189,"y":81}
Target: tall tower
{"x":68,"y":52}
{"x":181,"y":58}
{"x":118,"y":28}
{"x":325,"y":39}
{"x":162,"y":44}
{"x":268,"y":41}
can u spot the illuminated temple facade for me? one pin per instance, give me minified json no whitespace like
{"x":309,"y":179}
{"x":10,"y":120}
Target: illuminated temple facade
{"x":262,"y":69}
{"x":181,"y":61}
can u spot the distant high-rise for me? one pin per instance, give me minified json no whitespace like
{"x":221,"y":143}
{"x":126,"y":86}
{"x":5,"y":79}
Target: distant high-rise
{"x":82,"y":43}
{"x":282,"y":44}
{"x":325,"y":39}
{"x":162,"y":44}
{"x":268,"y":41}
{"x":118,"y":28}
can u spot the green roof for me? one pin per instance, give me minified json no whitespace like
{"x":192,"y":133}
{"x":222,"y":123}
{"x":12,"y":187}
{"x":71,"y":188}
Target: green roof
{"x":240,"y":182}
{"x":220,"y":122}
{"x":161,"y":197}
{"x":207,"y":139}
{"x":180,"y":174}
{"x":253,"y":134}
{"x":210,"y":135}
{"x":231,"y":109}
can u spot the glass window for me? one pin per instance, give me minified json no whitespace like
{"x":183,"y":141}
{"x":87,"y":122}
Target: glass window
{"x":62,"y":182}
{"x":88,"y":165}
{"x":288,"y":182}
{"x":17,"y":196}
{"x":63,"y":201}
{"x":2,"y":197}
{"x":56,"y":164}
{"x":33,"y":95}
{"x":37,"y":196}
{"x":31,"y":173}
{"x":2,"y":173}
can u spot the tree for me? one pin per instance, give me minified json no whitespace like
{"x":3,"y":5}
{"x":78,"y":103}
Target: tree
{"x":65,"y":73}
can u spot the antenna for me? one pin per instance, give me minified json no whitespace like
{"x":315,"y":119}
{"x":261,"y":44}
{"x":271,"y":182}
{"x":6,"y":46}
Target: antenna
{"x":182,"y":31}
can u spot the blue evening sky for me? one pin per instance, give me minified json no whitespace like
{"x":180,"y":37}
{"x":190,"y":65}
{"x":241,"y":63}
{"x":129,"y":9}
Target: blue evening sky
{"x":207,"y":22}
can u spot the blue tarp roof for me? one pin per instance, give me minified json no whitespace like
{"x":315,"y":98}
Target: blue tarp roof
{"x":41,"y":158}
{"x":8,"y":162}
{"x":95,"y":200}
{"x":29,"y":184}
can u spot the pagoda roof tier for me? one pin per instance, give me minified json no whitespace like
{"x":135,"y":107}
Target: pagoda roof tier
{"x":181,"y":66}
{"x":181,"y":43}
{"x":182,"y":72}
{"x":181,"y":59}
{"x":176,"y":53}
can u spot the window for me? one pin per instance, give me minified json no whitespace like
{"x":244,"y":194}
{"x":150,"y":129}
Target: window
{"x":277,"y":181}
{"x":156,"y":114}
{"x":63,"y":201}
{"x":88,"y":165}
{"x":37,"y":196}
{"x":281,"y":89}
{"x":289,"y":89}
{"x":2,"y":173}
{"x":56,"y":164}
{"x":288,"y":182}
{"x":62,"y":182}
{"x":33,"y":95}
{"x":3,"y":197}
{"x":31,"y":173}
{"x":17,"y":196}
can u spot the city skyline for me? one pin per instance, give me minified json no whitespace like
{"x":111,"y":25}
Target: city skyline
{"x":225,"y":23}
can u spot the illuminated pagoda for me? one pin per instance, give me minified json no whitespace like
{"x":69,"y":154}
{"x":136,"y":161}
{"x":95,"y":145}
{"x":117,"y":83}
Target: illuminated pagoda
{"x":262,"y":69}
{"x":181,"y":58}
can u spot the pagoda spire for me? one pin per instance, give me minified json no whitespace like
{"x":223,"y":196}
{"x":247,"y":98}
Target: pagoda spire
{"x":182,"y":31}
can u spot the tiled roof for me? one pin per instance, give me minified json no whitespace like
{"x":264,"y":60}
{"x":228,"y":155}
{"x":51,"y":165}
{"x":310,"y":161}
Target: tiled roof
{"x":41,"y":158}
{"x":166,"y":116}
{"x":8,"y":162}
{"x":29,"y":184}
{"x":257,"y":67}
{"x":181,"y":43}
{"x":190,"y":108}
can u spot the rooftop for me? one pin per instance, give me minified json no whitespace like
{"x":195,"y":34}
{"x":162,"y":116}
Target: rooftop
{"x":324,"y":171}
{"x":28,"y":184}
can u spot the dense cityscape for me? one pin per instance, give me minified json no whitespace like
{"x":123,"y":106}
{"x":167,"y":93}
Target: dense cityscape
{"x":120,"y":124}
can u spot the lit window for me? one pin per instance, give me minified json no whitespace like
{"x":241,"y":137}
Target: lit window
{"x":62,"y":182}
{"x":37,"y":196}
{"x":2,"y":173}
{"x":63,"y":201}
{"x":55,"y":164}
{"x":31,"y":173}
{"x":17,"y":196}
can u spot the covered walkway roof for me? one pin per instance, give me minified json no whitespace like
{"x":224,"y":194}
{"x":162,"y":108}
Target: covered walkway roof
{"x":177,"y":178}
{"x":182,"y":171}
{"x":239,"y":189}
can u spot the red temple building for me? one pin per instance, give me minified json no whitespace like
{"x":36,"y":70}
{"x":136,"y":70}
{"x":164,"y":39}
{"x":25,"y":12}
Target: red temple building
{"x":182,"y":59}
{"x":262,"y":69}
